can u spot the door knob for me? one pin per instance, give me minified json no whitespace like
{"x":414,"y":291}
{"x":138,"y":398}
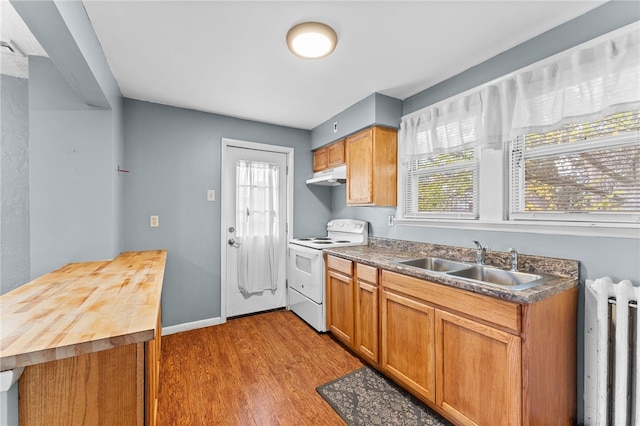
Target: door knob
{"x":233,"y":243}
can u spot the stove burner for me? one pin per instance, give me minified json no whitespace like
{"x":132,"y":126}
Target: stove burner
{"x":304,"y":239}
{"x":321,"y":238}
{"x":343,"y":241}
{"x":323,"y":242}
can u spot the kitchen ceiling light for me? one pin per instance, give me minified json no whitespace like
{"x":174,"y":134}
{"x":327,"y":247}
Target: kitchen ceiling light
{"x":311,"y":40}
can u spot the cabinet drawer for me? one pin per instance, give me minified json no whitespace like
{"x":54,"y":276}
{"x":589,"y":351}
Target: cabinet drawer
{"x":367,"y":273}
{"x":340,"y":265}
{"x":483,"y":308}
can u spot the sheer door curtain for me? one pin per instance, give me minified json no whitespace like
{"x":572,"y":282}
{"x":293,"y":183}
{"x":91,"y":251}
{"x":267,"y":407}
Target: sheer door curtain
{"x":257,"y":230}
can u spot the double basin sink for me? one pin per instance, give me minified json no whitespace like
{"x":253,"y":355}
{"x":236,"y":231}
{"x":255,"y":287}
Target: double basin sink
{"x":512,"y":280}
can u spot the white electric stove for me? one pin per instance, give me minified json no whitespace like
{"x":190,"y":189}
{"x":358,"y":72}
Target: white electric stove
{"x":306,"y":267}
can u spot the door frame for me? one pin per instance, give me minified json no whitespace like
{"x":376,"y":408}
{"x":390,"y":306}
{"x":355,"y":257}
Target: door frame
{"x":226,"y":143}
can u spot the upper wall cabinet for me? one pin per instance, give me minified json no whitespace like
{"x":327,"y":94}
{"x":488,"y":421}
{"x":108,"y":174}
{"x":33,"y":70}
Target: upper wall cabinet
{"x":372,"y":167}
{"x":329,"y":156}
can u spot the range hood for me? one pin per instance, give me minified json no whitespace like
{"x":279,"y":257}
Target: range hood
{"x":329,"y":177}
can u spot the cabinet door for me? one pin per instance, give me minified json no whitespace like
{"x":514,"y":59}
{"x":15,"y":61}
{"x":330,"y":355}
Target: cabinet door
{"x":99,"y":388}
{"x":367,"y":313}
{"x":360,"y":168}
{"x":479,"y":372}
{"x":340,"y":306}
{"x":335,"y":154}
{"x":320,"y":159}
{"x":408,"y":343}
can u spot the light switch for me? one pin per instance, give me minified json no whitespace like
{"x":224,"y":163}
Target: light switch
{"x":154,"y":221}
{"x":211,"y":195}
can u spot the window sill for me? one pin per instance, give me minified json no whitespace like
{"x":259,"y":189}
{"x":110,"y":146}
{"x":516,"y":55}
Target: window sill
{"x":591,"y":229}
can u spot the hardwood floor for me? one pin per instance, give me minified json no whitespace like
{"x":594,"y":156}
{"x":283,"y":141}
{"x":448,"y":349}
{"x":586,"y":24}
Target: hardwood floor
{"x":256,"y":370}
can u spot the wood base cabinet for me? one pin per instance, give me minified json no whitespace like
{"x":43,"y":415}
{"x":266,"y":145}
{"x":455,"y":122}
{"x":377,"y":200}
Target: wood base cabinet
{"x":479,"y":376}
{"x":366,"y":313}
{"x":408,"y":343}
{"x":479,"y":360}
{"x":113,"y":387}
{"x":340,"y":296}
{"x":353,"y":306}
{"x":152,"y":376}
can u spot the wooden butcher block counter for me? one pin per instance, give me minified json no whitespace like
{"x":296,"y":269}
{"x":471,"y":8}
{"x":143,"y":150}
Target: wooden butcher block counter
{"x":88,"y":335}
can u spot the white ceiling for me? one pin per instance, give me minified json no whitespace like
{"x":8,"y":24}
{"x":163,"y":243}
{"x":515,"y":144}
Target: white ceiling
{"x":230,"y":57}
{"x":15,"y":32}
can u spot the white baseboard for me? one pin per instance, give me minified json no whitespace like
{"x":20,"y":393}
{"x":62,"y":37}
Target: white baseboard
{"x":172,"y":329}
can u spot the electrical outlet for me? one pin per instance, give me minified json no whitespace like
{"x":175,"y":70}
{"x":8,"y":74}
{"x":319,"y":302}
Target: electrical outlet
{"x":335,"y":126}
{"x":211,"y":195}
{"x":391,"y":220}
{"x":154,"y":221}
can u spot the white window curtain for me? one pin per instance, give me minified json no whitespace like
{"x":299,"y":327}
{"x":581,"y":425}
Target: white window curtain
{"x":586,"y":85}
{"x":450,"y":127}
{"x":257,"y":231}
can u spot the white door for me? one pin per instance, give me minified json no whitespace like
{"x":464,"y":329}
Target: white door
{"x":255,"y":221}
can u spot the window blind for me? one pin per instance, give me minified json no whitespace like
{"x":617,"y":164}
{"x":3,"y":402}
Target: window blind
{"x":582,"y":171}
{"x":445,"y":186}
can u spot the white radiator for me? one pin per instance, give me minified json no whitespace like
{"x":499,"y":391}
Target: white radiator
{"x":611,"y":358}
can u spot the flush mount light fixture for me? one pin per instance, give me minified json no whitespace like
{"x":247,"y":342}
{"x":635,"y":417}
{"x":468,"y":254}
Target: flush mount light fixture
{"x":311,"y":40}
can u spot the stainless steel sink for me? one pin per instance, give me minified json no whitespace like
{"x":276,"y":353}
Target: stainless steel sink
{"x":512,"y":280}
{"x":483,"y":274}
{"x":434,"y":264}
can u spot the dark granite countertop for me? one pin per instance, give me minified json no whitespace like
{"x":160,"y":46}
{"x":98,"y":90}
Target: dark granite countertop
{"x":384,"y":254}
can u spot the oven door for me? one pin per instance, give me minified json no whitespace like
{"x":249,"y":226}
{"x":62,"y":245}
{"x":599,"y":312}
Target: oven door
{"x":307,"y":272}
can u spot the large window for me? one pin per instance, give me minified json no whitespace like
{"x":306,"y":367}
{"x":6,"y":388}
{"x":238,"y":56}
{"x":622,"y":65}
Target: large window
{"x":585,"y":171}
{"x":555,"y":144}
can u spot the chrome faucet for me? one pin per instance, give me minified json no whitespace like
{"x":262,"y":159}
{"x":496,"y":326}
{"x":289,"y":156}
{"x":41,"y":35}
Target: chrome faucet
{"x":480,"y":253}
{"x":514,"y":259}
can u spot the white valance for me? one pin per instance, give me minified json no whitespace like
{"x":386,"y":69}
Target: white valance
{"x":586,"y":83}
{"x":448,"y":127}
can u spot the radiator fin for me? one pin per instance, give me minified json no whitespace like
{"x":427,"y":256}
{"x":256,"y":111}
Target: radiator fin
{"x":611,"y":355}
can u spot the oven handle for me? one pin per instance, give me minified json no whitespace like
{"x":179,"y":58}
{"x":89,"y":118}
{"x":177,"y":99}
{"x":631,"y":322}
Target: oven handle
{"x":232,"y":242}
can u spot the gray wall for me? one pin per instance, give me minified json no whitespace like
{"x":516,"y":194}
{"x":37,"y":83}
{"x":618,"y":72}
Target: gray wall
{"x":75,"y":190}
{"x":173,"y":155}
{"x":71,"y":173}
{"x":14,"y":204}
{"x":14,"y":182}
{"x":374,"y":109}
